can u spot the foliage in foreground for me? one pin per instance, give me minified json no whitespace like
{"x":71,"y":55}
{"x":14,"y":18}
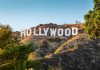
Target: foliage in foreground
{"x":15,"y":58}
{"x":92,"y":21}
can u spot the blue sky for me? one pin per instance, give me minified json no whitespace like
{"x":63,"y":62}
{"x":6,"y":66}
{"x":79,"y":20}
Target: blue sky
{"x":21,"y":14}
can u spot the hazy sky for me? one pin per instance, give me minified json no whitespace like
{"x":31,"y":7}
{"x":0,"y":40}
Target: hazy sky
{"x":21,"y":14}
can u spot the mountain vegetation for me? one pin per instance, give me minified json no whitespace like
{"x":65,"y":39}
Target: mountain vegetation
{"x":76,"y":53}
{"x":92,"y":21}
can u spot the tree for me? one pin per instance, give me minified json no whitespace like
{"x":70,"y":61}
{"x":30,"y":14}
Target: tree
{"x":13,"y":56}
{"x":92,"y":21}
{"x":5,"y":35}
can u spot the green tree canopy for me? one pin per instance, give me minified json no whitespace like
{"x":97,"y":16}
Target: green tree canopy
{"x":13,"y":56}
{"x":92,"y":21}
{"x":5,"y":35}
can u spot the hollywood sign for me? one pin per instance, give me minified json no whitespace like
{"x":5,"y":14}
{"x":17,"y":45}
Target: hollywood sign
{"x":52,"y":32}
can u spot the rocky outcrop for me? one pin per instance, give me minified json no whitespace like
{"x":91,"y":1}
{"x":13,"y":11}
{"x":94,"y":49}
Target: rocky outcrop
{"x":86,"y":56}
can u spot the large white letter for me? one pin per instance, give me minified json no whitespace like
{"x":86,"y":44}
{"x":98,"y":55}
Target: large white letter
{"x":40,"y":32}
{"x":67,"y":31}
{"x":35,"y":32}
{"x":29,"y":32}
{"x":60,"y":32}
{"x":53,"y":32}
{"x":74,"y":31}
{"x":22,"y":33}
{"x":45,"y":31}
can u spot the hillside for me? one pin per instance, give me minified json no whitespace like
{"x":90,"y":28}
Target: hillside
{"x":81,"y":54}
{"x":61,"y":53}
